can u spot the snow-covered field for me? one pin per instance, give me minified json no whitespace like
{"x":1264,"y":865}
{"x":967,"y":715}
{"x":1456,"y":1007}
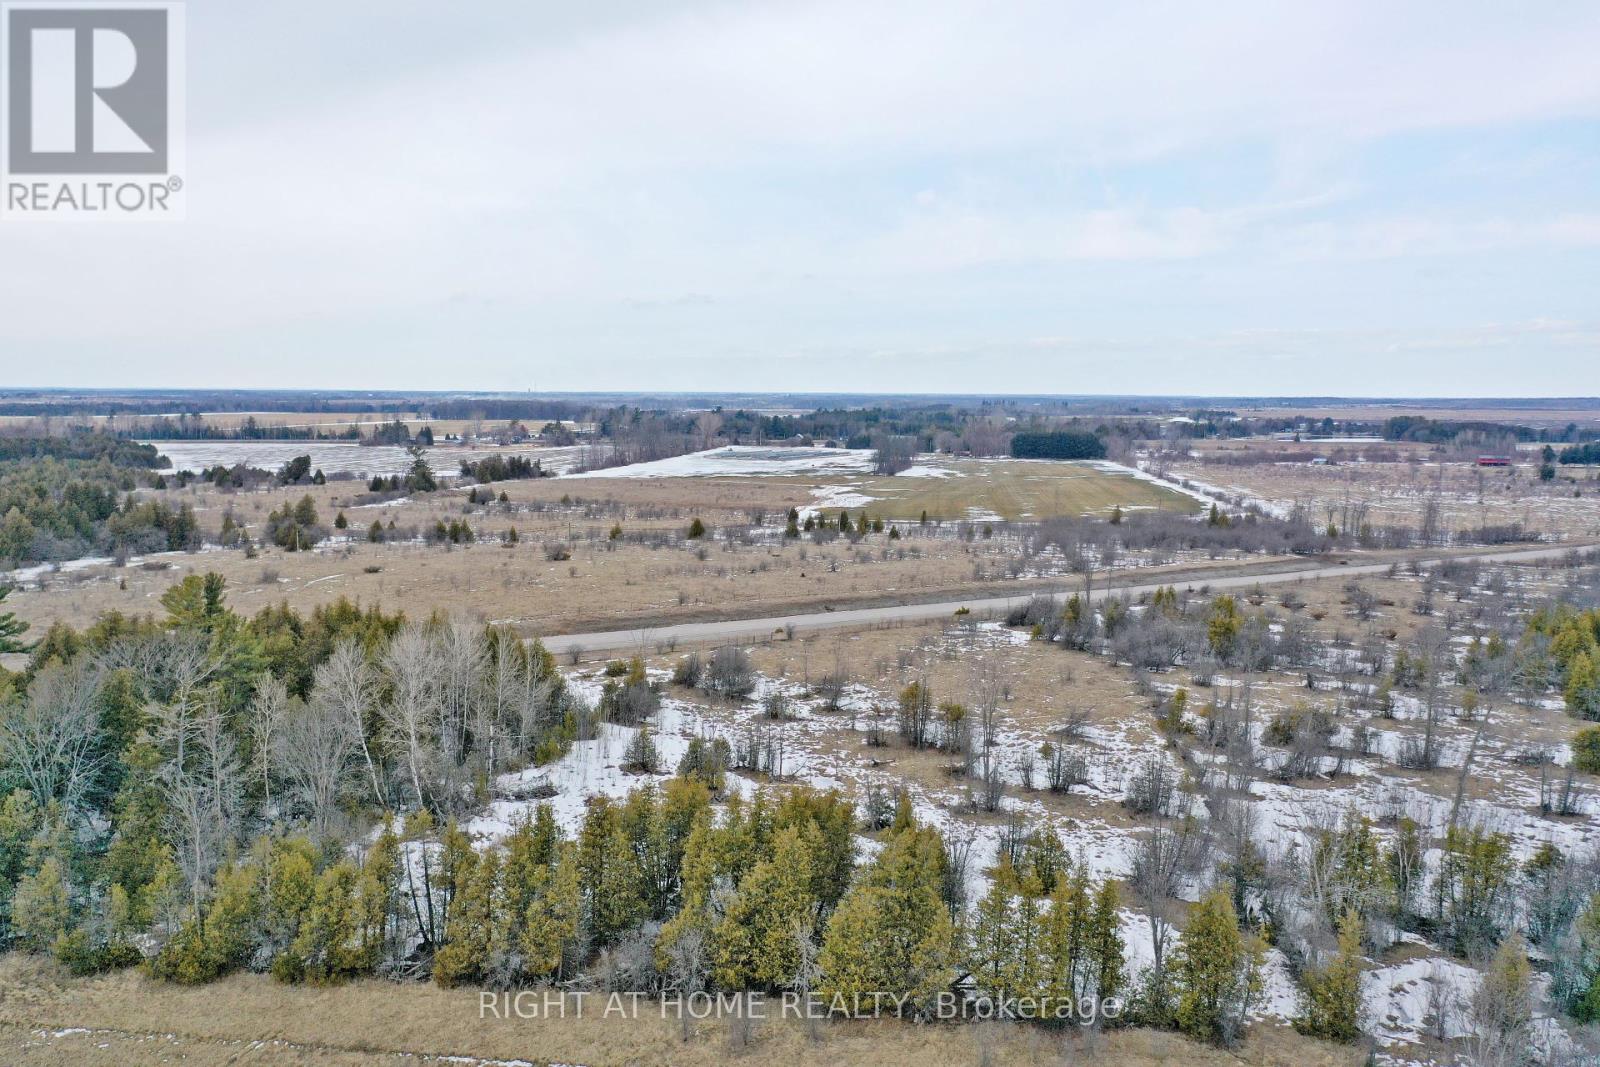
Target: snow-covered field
{"x":741,"y":460}
{"x":332,"y":457}
{"x":341,"y":457}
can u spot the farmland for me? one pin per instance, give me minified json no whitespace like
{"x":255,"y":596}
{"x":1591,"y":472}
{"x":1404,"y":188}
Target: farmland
{"x":1228,"y":654}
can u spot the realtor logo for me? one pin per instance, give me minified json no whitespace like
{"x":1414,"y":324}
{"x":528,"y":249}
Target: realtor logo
{"x":92,"y":91}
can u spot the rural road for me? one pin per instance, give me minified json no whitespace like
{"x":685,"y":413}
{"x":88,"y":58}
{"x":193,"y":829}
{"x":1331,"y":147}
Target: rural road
{"x":988,"y":607}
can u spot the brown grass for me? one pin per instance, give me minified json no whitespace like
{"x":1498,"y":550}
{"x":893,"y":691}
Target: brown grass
{"x":247,"y":1019}
{"x":604,"y":583}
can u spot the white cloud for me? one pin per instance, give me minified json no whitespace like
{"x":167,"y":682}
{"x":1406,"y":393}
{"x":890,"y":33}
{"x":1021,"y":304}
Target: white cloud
{"x":795,"y":166}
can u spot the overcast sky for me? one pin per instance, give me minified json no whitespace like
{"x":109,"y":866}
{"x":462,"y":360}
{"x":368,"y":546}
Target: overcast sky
{"x":1347,"y":197}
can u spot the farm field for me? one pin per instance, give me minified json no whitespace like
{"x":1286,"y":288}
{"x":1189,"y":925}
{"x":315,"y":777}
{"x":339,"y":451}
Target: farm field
{"x":938,"y":487}
{"x":1014,"y":490}
{"x":649,"y":573}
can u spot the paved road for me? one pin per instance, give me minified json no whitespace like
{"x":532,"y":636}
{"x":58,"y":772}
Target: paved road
{"x":744,"y":629}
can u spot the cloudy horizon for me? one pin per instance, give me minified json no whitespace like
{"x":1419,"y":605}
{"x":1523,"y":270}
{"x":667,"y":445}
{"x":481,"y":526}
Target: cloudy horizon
{"x":938,"y":197}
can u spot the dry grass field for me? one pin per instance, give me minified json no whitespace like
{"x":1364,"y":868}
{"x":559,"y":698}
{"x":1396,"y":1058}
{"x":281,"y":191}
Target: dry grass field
{"x":1532,"y":415}
{"x":1468,"y":495}
{"x":126,"y":1020}
{"x":328,"y":422}
{"x":649,"y":574}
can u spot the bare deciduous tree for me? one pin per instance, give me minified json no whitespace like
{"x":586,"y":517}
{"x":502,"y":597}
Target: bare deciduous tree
{"x":50,"y":739}
{"x":316,"y":747}
{"x":267,"y":710}
{"x":347,"y":684}
{"x":1161,"y":861}
{"x":412,"y":709}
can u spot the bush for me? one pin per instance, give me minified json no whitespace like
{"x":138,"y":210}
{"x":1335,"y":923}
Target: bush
{"x":706,"y":761}
{"x":1586,"y":750}
{"x":689,"y":671}
{"x":641,"y":755}
{"x":730,"y":673}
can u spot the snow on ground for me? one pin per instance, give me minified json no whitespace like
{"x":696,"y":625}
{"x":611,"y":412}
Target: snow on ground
{"x":38,"y":571}
{"x":836,"y":496}
{"x":589,"y":769}
{"x":1400,"y":1002}
{"x":928,"y":470}
{"x":331,"y":457}
{"x":741,"y":460}
{"x":1106,"y":466}
{"x":342,"y":457}
{"x":1201,"y":491}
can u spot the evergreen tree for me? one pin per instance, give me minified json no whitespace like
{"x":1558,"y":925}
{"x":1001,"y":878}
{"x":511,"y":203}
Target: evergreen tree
{"x":1105,"y":948}
{"x":1582,"y":689}
{"x":1063,"y":945}
{"x":755,"y":944}
{"x":891,"y":933}
{"x":379,"y":898}
{"x":612,"y":902}
{"x":41,"y":906}
{"x":1027,"y":962}
{"x":1474,"y":887}
{"x":829,"y":820}
{"x":470,"y":929}
{"x":233,"y":919}
{"x":1217,"y":971}
{"x":11,"y":628}
{"x":1330,"y":996}
{"x":289,"y":893}
{"x":419,"y":478}
{"x":552,"y":920}
{"x":992,"y":950}
{"x":332,"y":944}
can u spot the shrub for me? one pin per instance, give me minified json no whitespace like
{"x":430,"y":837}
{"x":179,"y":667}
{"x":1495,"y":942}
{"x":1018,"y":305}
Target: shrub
{"x":1586,"y":750}
{"x":641,"y":755}
{"x":730,"y":673}
{"x":689,"y":671}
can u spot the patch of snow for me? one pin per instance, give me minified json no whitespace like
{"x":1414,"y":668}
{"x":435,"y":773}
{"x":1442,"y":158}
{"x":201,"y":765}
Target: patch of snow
{"x":734,"y":461}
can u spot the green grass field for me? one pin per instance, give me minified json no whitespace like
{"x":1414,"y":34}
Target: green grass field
{"x":1026,"y":490}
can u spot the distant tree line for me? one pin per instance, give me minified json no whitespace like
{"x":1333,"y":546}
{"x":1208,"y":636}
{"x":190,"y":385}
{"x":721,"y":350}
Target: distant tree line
{"x":1058,"y":444}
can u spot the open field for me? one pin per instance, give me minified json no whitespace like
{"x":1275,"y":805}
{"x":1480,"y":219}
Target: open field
{"x":1015,"y":490}
{"x":327,"y":422}
{"x":649,"y":573}
{"x":349,"y":458}
{"x":1528,"y":415}
{"x":1387,"y":492}
{"x":50,"y":1020}
{"x":940,"y":487}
